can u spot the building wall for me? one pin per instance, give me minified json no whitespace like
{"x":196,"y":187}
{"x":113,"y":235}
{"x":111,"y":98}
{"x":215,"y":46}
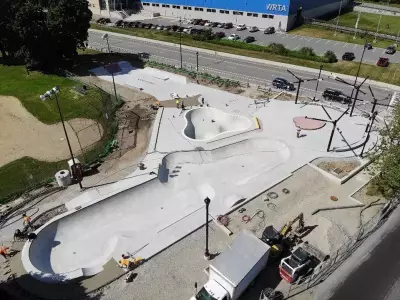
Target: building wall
{"x":94,"y":6}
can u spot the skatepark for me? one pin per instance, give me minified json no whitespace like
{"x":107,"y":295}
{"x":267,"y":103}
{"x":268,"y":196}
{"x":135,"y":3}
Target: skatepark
{"x":230,"y":149}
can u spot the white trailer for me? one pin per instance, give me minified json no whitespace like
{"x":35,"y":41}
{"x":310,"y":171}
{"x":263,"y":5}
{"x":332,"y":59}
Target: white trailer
{"x":233,"y":270}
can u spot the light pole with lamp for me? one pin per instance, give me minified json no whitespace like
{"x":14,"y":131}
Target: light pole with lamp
{"x":54,"y":91}
{"x":207,"y":252}
{"x":180,"y":40}
{"x":105,"y":37}
{"x":337,"y":19}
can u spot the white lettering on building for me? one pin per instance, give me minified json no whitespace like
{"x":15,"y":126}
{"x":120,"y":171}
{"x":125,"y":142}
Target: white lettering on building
{"x":276,"y":7}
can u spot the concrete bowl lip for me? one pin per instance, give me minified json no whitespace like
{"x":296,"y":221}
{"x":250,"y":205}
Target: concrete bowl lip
{"x":219,"y":134}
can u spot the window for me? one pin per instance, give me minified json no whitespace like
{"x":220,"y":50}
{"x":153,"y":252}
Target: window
{"x":189,"y":8}
{"x":239,"y":13}
{"x":255,"y":15}
{"x":185,"y":7}
{"x":221,"y":11}
{"x":211,"y":10}
{"x":249,"y":14}
{"x":227,"y":12}
{"x":176,"y":6}
{"x":198,"y":9}
{"x":153,"y":4}
{"x":165,"y":5}
{"x":265,"y":16}
{"x":271,"y":16}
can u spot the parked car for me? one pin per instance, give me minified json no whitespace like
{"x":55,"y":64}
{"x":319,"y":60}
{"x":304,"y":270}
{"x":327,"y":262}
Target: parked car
{"x":148,"y":26}
{"x":249,"y":39}
{"x":269,"y":30}
{"x":160,"y":27}
{"x":282,"y":83}
{"x":174,"y":28}
{"x":382,"y":62}
{"x":187,"y":29}
{"x":203,"y":22}
{"x":390,"y":50}
{"x":167,"y":28}
{"x":228,"y":25}
{"x":208,"y":24}
{"x":219,"y":35}
{"x":214,"y":24}
{"x":154,"y":26}
{"x":336,"y":95}
{"x":253,"y":29}
{"x":142,"y":25}
{"x":221,"y":25}
{"x":368,"y":46}
{"x":118,"y":23}
{"x":348,"y":56}
{"x":233,"y":37}
{"x":131,"y":24}
{"x":196,"y":21}
{"x":241,"y":27}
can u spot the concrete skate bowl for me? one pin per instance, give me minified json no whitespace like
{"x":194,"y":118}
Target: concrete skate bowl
{"x":206,"y":123}
{"x":262,"y":154}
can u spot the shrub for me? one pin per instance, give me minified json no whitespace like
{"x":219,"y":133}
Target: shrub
{"x":330,"y":56}
{"x":277,"y":49}
{"x":307,"y":51}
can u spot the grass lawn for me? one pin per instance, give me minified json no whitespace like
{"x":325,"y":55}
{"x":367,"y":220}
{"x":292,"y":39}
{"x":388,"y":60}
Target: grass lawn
{"x":389,"y":75}
{"x":325,"y":33}
{"x":16,"y":82}
{"x":23,"y":173}
{"x":389,"y":24}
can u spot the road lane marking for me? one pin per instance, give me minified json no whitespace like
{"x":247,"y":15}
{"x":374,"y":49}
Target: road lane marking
{"x":336,"y":43}
{"x":327,"y":42}
{"x":318,"y":41}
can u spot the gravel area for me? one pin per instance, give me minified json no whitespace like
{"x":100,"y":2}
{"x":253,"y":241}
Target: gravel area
{"x":339,"y":168}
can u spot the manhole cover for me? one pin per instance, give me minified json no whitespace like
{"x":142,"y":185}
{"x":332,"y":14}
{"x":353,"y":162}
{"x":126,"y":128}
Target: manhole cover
{"x":334,"y":198}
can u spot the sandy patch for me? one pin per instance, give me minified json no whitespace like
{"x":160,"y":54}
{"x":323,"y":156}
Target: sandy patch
{"x":22,"y":134}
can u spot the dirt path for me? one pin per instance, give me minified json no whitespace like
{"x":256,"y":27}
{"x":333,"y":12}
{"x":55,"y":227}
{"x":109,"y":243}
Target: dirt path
{"x":22,"y":134}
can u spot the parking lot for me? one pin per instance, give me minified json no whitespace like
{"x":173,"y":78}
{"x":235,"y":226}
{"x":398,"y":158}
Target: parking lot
{"x":291,"y":41}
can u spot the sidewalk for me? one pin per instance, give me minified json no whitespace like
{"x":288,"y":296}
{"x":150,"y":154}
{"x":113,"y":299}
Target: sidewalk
{"x":255,"y":60}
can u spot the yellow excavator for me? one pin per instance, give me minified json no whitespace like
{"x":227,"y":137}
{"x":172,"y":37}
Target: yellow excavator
{"x":275,"y":238}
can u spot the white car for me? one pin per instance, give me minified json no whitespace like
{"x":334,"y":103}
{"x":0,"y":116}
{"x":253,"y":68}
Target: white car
{"x":187,"y":29}
{"x":233,"y":37}
{"x":208,"y":24}
{"x":241,"y":27}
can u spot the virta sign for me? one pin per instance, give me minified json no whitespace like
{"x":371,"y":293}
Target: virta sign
{"x":276,"y":7}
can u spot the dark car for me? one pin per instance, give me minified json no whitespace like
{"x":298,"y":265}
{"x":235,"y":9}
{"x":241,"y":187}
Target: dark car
{"x":214,"y":24}
{"x":249,"y":39}
{"x":196,"y":21}
{"x":203,"y":22}
{"x":219,"y":35}
{"x":282,"y":83}
{"x":269,"y":30}
{"x":368,"y":46}
{"x":382,"y":62}
{"x":119,"y":23}
{"x":390,"y":50}
{"x":335,"y":95}
{"x":148,"y":26}
{"x":228,"y":25}
{"x":348,"y":56}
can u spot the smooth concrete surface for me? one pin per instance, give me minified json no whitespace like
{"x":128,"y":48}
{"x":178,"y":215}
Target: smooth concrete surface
{"x":206,"y":123}
{"x":145,"y":213}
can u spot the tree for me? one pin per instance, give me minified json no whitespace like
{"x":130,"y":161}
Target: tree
{"x":330,"y":56}
{"x":68,"y":24}
{"x":43,"y":38}
{"x":386,"y":157}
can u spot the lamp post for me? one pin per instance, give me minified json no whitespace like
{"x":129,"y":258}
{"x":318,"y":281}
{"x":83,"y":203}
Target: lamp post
{"x":377,"y":28}
{"x":54,"y":91}
{"x":318,"y":80}
{"x":337,"y":19}
{"x":180,"y":40}
{"x":105,"y":37}
{"x":197,"y":61}
{"x":373,"y":116}
{"x":207,"y":252}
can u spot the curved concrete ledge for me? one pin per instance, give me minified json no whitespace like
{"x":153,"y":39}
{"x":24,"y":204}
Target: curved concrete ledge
{"x":207,"y":123}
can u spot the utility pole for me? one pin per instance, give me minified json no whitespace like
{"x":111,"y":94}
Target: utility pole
{"x":356,"y":25}
{"x":377,"y":28}
{"x":105,"y":37}
{"x":369,"y":132}
{"x":338,"y":17}
{"x":318,"y":80}
{"x":197,"y":61}
{"x":180,"y":40}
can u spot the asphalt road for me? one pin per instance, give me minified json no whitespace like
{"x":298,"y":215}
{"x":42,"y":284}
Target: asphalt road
{"x":236,"y":69}
{"x":295,"y":42}
{"x":373,"y":271}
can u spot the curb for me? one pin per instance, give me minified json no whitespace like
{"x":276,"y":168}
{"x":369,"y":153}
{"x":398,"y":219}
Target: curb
{"x":256,"y":60}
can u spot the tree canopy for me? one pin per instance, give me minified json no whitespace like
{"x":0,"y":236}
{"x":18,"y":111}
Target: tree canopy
{"x":386,"y":157}
{"x":43,"y":34}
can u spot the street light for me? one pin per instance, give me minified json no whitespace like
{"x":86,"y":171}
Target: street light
{"x":180,"y":40}
{"x":54,"y":91}
{"x":207,"y":252}
{"x":105,"y":37}
{"x":337,"y":19}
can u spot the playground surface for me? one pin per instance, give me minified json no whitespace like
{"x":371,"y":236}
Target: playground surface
{"x":231,"y":149}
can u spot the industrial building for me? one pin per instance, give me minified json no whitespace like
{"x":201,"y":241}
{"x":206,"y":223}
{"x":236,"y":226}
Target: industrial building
{"x":281,"y":14}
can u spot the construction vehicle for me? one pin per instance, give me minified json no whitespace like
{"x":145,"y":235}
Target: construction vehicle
{"x":301,"y":262}
{"x":275,"y":238}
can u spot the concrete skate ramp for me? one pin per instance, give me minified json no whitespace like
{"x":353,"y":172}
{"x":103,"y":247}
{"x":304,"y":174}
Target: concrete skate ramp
{"x":149,"y":217}
{"x":206,"y":123}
